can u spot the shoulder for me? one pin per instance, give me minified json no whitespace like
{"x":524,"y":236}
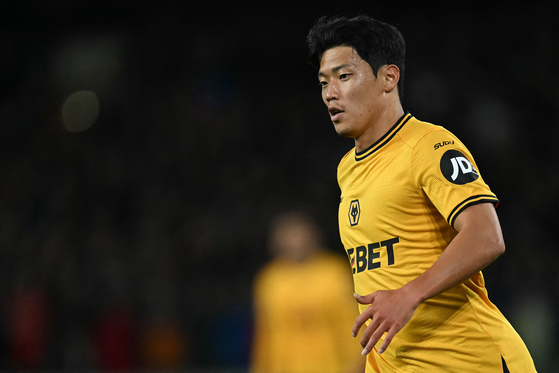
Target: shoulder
{"x":334,"y":269}
{"x":424,"y":135}
{"x":333,"y":259}
{"x":269,"y":272}
{"x":347,"y":157}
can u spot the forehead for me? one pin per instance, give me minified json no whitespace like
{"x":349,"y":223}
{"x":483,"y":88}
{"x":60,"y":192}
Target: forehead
{"x":338,"y":57}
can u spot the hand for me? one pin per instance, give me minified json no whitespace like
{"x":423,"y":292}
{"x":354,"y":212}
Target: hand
{"x":389,"y":311}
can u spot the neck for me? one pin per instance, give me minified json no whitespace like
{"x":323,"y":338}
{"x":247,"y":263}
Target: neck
{"x":381,"y":124}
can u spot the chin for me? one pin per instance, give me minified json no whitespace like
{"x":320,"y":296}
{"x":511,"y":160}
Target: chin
{"x":343,"y":131}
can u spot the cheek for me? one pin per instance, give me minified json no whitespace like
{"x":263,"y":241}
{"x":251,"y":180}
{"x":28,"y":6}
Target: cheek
{"x":360,"y":104}
{"x":323,"y":95}
{"x":367,"y":101}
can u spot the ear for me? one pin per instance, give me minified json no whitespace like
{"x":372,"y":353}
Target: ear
{"x":392,"y":76}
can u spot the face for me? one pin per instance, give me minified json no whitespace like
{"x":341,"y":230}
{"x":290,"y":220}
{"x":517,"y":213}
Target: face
{"x":294,"y":239}
{"x":350,"y":90}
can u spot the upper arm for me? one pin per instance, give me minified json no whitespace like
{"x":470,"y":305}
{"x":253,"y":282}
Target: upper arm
{"x":481,"y":220}
{"x":446,"y":172}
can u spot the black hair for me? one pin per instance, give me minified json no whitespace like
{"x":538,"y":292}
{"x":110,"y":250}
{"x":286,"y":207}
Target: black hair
{"x":376,"y":42}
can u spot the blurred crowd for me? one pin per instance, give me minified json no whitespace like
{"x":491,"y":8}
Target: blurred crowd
{"x":132,"y":243}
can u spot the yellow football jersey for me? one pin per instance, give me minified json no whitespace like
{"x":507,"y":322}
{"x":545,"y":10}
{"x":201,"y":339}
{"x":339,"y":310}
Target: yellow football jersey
{"x":304,"y":314}
{"x":399,"y":200}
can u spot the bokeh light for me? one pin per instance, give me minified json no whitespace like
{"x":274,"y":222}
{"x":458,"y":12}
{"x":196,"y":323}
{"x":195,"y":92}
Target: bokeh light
{"x":80,"y":111}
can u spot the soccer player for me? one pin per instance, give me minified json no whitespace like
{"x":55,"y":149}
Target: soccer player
{"x":416,"y":218}
{"x":303,"y":305}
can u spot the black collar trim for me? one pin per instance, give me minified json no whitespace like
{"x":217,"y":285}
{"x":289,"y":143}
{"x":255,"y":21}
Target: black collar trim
{"x":384,"y":139}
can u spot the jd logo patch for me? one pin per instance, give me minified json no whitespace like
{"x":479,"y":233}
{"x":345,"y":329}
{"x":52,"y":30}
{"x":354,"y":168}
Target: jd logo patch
{"x":457,"y":169}
{"x":354,"y":212}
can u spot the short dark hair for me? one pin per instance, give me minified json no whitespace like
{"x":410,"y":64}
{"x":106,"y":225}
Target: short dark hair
{"x":376,"y":42}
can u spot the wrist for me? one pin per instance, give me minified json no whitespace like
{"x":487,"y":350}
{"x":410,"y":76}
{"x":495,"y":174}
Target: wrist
{"x":414,"y":293}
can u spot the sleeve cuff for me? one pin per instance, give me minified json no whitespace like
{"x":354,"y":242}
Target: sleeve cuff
{"x":470,"y":201}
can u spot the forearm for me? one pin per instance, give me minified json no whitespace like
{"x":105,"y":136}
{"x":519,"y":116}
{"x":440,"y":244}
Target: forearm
{"x":477,"y":244}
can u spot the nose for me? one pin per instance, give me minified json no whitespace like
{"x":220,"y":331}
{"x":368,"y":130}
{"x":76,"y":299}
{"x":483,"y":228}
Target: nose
{"x":331,"y":92}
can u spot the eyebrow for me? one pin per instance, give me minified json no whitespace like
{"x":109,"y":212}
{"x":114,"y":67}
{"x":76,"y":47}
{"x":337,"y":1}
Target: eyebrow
{"x":335,"y":69}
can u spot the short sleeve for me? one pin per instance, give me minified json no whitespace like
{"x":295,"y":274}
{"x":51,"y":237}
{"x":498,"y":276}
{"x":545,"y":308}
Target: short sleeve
{"x":446,"y":172}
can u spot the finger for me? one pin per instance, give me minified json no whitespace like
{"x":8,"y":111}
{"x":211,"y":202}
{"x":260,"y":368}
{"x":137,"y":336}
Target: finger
{"x":360,"y":320}
{"x":389,"y":336}
{"x":367,"y":299}
{"x":369,"y":332}
{"x":371,"y":343}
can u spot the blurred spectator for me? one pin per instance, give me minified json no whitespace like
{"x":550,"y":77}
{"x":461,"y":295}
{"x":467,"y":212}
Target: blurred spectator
{"x":303,"y":305}
{"x":163,"y":346}
{"x":114,"y":340}
{"x":29,"y":322}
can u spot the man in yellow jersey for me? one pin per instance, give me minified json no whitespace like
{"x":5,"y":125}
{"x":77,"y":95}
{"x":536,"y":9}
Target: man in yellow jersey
{"x":416,"y":219}
{"x":292,"y":334}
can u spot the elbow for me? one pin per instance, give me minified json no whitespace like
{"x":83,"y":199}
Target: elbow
{"x":493,"y":243}
{"x":494,"y":240}
{"x":498,"y":246}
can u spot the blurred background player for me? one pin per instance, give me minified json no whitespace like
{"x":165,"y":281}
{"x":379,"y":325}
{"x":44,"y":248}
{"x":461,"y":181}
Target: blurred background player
{"x":303,"y":304}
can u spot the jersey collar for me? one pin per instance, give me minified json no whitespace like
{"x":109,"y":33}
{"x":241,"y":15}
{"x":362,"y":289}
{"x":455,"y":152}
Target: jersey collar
{"x":384,"y":139}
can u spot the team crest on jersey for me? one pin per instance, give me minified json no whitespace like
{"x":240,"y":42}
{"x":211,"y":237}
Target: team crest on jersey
{"x":457,"y":169}
{"x":354,"y":212}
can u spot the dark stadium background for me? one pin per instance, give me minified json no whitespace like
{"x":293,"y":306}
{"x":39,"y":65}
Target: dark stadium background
{"x":132,"y":245}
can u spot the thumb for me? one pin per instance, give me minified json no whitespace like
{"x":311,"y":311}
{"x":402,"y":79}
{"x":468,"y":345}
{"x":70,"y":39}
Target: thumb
{"x":365,"y":299}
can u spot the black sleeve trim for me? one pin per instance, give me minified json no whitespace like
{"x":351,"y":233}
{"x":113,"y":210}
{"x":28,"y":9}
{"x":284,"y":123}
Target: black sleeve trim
{"x":474,"y":200}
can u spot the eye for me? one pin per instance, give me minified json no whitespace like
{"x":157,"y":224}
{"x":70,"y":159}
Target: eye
{"x":323,"y":83}
{"x":344,"y":76}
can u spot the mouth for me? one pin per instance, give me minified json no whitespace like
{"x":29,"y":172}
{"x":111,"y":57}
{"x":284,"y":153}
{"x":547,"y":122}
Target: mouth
{"x":335,"y":113}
